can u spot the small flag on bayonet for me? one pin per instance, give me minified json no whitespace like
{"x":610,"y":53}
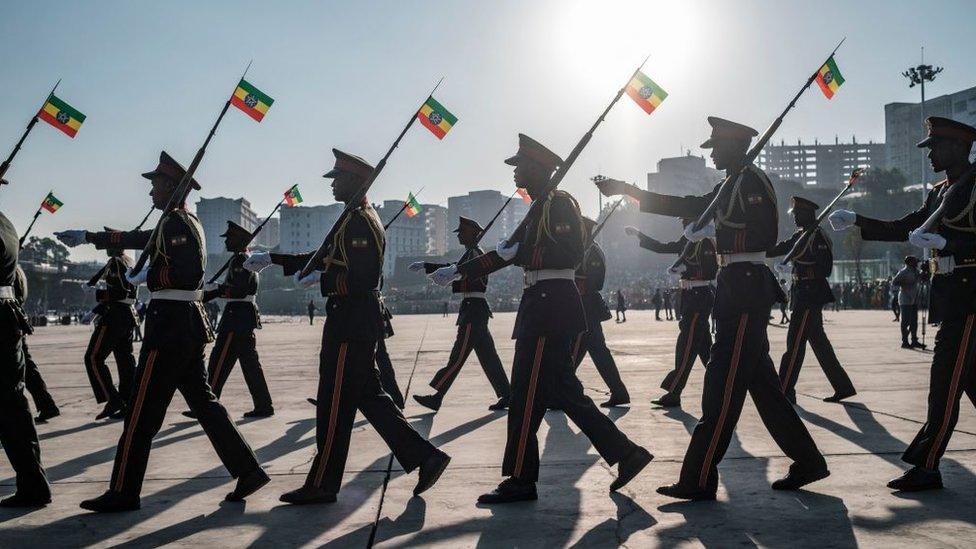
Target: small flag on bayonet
{"x":51,"y":203}
{"x":413,"y":207}
{"x":251,"y":100}
{"x":645,"y":92}
{"x":292,"y":196}
{"x":61,"y":115}
{"x":829,"y":78}
{"x":436,"y":118}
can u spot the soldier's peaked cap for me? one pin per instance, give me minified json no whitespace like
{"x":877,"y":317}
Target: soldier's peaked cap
{"x":170,"y":169}
{"x":726,"y":129}
{"x":349,"y":163}
{"x":233,"y":229}
{"x":937,"y":127}
{"x":800,"y":203}
{"x":466,"y":223}
{"x":533,"y":150}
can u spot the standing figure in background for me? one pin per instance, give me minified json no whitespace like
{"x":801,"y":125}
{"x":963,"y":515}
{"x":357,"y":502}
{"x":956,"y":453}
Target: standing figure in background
{"x":311,"y":312}
{"x":908,"y":283}
{"x":783,"y":305}
{"x":657,"y":301}
{"x":621,"y":306}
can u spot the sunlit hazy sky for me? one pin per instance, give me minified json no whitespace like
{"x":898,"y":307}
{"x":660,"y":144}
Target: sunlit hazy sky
{"x":152,"y":75}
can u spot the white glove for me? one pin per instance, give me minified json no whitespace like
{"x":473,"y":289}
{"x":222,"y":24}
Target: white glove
{"x":257,"y":262}
{"x":928,"y":241}
{"x":72,"y":237}
{"x":679,"y":269}
{"x":210,"y":286}
{"x":138,"y":278}
{"x":444,"y":276}
{"x":705,"y":232}
{"x":841,"y":220}
{"x":783,"y":268}
{"x":416,"y":266}
{"x":310,"y":280}
{"x":506,"y":253}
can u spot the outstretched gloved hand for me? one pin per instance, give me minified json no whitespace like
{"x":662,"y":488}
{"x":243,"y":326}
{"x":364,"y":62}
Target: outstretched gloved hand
{"x":257,"y":262}
{"x":841,"y":220}
{"x":72,"y":237}
{"x":695,"y":236}
{"x":506,"y":253}
{"x":444,"y":276}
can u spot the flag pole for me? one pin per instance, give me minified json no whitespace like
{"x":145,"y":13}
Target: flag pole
{"x":402,"y":208}
{"x":30,"y":126}
{"x":31,"y":226}
{"x":254,"y":235}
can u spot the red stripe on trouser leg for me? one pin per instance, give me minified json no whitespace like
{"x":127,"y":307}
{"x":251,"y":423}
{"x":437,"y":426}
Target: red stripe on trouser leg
{"x":217,"y":385}
{"x":333,"y":414}
{"x":529,"y":402}
{"x":133,"y":422}
{"x":951,"y":399}
{"x":726,"y":401}
{"x":457,"y":363}
{"x":685,"y":364}
{"x":796,"y":349}
{"x":93,"y":360}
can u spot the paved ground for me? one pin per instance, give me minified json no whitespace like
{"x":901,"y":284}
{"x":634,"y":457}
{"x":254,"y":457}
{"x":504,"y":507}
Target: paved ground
{"x":185,"y":482}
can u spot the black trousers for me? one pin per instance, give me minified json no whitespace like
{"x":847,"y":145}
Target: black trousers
{"x":230,"y":347}
{"x":110,"y":338}
{"x":387,"y":374}
{"x":543,"y":373}
{"x":909,"y":323}
{"x":740,"y":364}
{"x":17,"y":434}
{"x":473,"y":336}
{"x":595,"y":343}
{"x":806,"y":325}
{"x":953,"y":371}
{"x":694,"y":340}
{"x":162,"y":371}
{"x":35,"y":385}
{"x":349,"y":381}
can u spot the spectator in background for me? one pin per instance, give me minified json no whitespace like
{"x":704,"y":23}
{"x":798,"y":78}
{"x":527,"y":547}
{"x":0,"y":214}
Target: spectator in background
{"x":668,"y":312}
{"x":656,"y":300}
{"x":782,"y":304}
{"x":621,"y":307}
{"x":444,"y":309}
{"x":895,"y":307}
{"x":907,"y":281}
{"x":311,"y":311}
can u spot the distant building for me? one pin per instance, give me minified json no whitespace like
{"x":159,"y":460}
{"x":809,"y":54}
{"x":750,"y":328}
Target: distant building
{"x":270,"y":235}
{"x":214,"y":213}
{"x":407,"y":236}
{"x":819,"y":164}
{"x":481,"y":206}
{"x":683,"y":175}
{"x":903,"y":129}
{"x":302,"y":228}
{"x":438,"y":228}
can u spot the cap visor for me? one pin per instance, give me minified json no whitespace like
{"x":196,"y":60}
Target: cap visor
{"x":708,"y":144}
{"x":513,"y":160}
{"x":332,"y":174}
{"x":927,"y":142}
{"x":150,"y":175}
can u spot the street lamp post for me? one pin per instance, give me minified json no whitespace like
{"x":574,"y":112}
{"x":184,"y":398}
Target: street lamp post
{"x":918,"y":76}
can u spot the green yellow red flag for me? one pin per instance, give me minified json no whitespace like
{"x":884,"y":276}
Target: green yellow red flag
{"x":413,"y":207}
{"x":51,"y":203}
{"x":61,"y":115}
{"x":251,"y":100}
{"x":645,"y":92}
{"x":436,"y":118}
{"x":292,"y":196}
{"x":829,"y":78}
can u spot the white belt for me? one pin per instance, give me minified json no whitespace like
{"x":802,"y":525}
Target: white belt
{"x":472,"y":295}
{"x":725,"y":260}
{"x":177,"y":295}
{"x":531,"y":277}
{"x":688,"y":284}
{"x":246,"y":299}
{"x":127,"y":301}
{"x":7,"y":292}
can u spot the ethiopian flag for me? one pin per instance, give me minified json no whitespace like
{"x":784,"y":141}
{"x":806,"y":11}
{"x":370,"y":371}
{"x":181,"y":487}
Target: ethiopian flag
{"x":292,"y":196}
{"x":829,"y":78}
{"x":412,"y":206}
{"x":524,"y":194}
{"x":645,"y":92}
{"x":251,"y":100}
{"x":436,"y":118}
{"x":51,"y":203}
{"x":61,"y":115}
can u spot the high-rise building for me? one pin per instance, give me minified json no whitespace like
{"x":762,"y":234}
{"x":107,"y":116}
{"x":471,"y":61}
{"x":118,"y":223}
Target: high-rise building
{"x":821,"y":164}
{"x":438,"y":228}
{"x":903,"y":129}
{"x":270,"y":235}
{"x":481,"y":206}
{"x":683,"y":175}
{"x":214,"y":213}
{"x":302,"y":228}
{"x":407,"y":236}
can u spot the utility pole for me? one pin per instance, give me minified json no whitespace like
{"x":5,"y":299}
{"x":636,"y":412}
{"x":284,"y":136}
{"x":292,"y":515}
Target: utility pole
{"x":918,"y":76}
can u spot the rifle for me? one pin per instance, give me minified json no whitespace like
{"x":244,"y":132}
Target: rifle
{"x":254,"y":235}
{"x":360,"y":194}
{"x":400,"y":211}
{"x":30,"y":126}
{"x":495,"y":218}
{"x":808,"y":233}
{"x":101,"y":272}
{"x":725,"y":187}
{"x":598,"y":228}
{"x":183,"y":188}
{"x":568,"y":163}
{"x":29,"y":227}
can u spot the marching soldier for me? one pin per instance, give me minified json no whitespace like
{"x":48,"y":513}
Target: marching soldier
{"x":697,"y":274}
{"x":550,"y":317}
{"x":17,"y":433}
{"x":235,"y":334}
{"x":172,"y":353}
{"x":590,"y":274}
{"x":354,"y":322}
{"x":746,"y":225}
{"x":472,"y":323}
{"x":115,"y":319}
{"x":953,"y":296}
{"x":810,"y":291}
{"x":33,"y":382}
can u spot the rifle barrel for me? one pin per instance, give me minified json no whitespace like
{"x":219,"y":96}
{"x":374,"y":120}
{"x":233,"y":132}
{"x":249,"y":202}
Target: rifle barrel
{"x":5,"y":165}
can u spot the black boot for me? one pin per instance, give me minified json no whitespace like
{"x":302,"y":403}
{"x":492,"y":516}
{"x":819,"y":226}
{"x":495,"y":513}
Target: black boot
{"x":44,"y":415}
{"x":917,"y":479}
{"x":429,"y":401}
{"x":307,"y":495}
{"x":23,"y":500}
{"x":669,"y":400}
{"x":678,"y":491}
{"x":111,"y":502}
{"x":837,"y":397}
{"x":799,"y":477}
{"x":259,"y":413}
{"x":630,"y":467}
{"x":502,"y":404}
{"x":616,"y":400}
{"x":431,"y":470}
{"x":509,"y":491}
{"x":248,"y":484}
{"x":112,"y":409}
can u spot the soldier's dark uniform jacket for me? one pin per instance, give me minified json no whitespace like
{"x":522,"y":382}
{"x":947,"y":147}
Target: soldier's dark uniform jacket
{"x":811,"y":268}
{"x":590,"y":276}
{"x":177,"y":262}
{"x":700,"y":265}
{"x":471,"y":309}
{"x":111,"y":307}
{"x":552,"y":239}
{"x":747,"y":223}
{"x":239,"y":316}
